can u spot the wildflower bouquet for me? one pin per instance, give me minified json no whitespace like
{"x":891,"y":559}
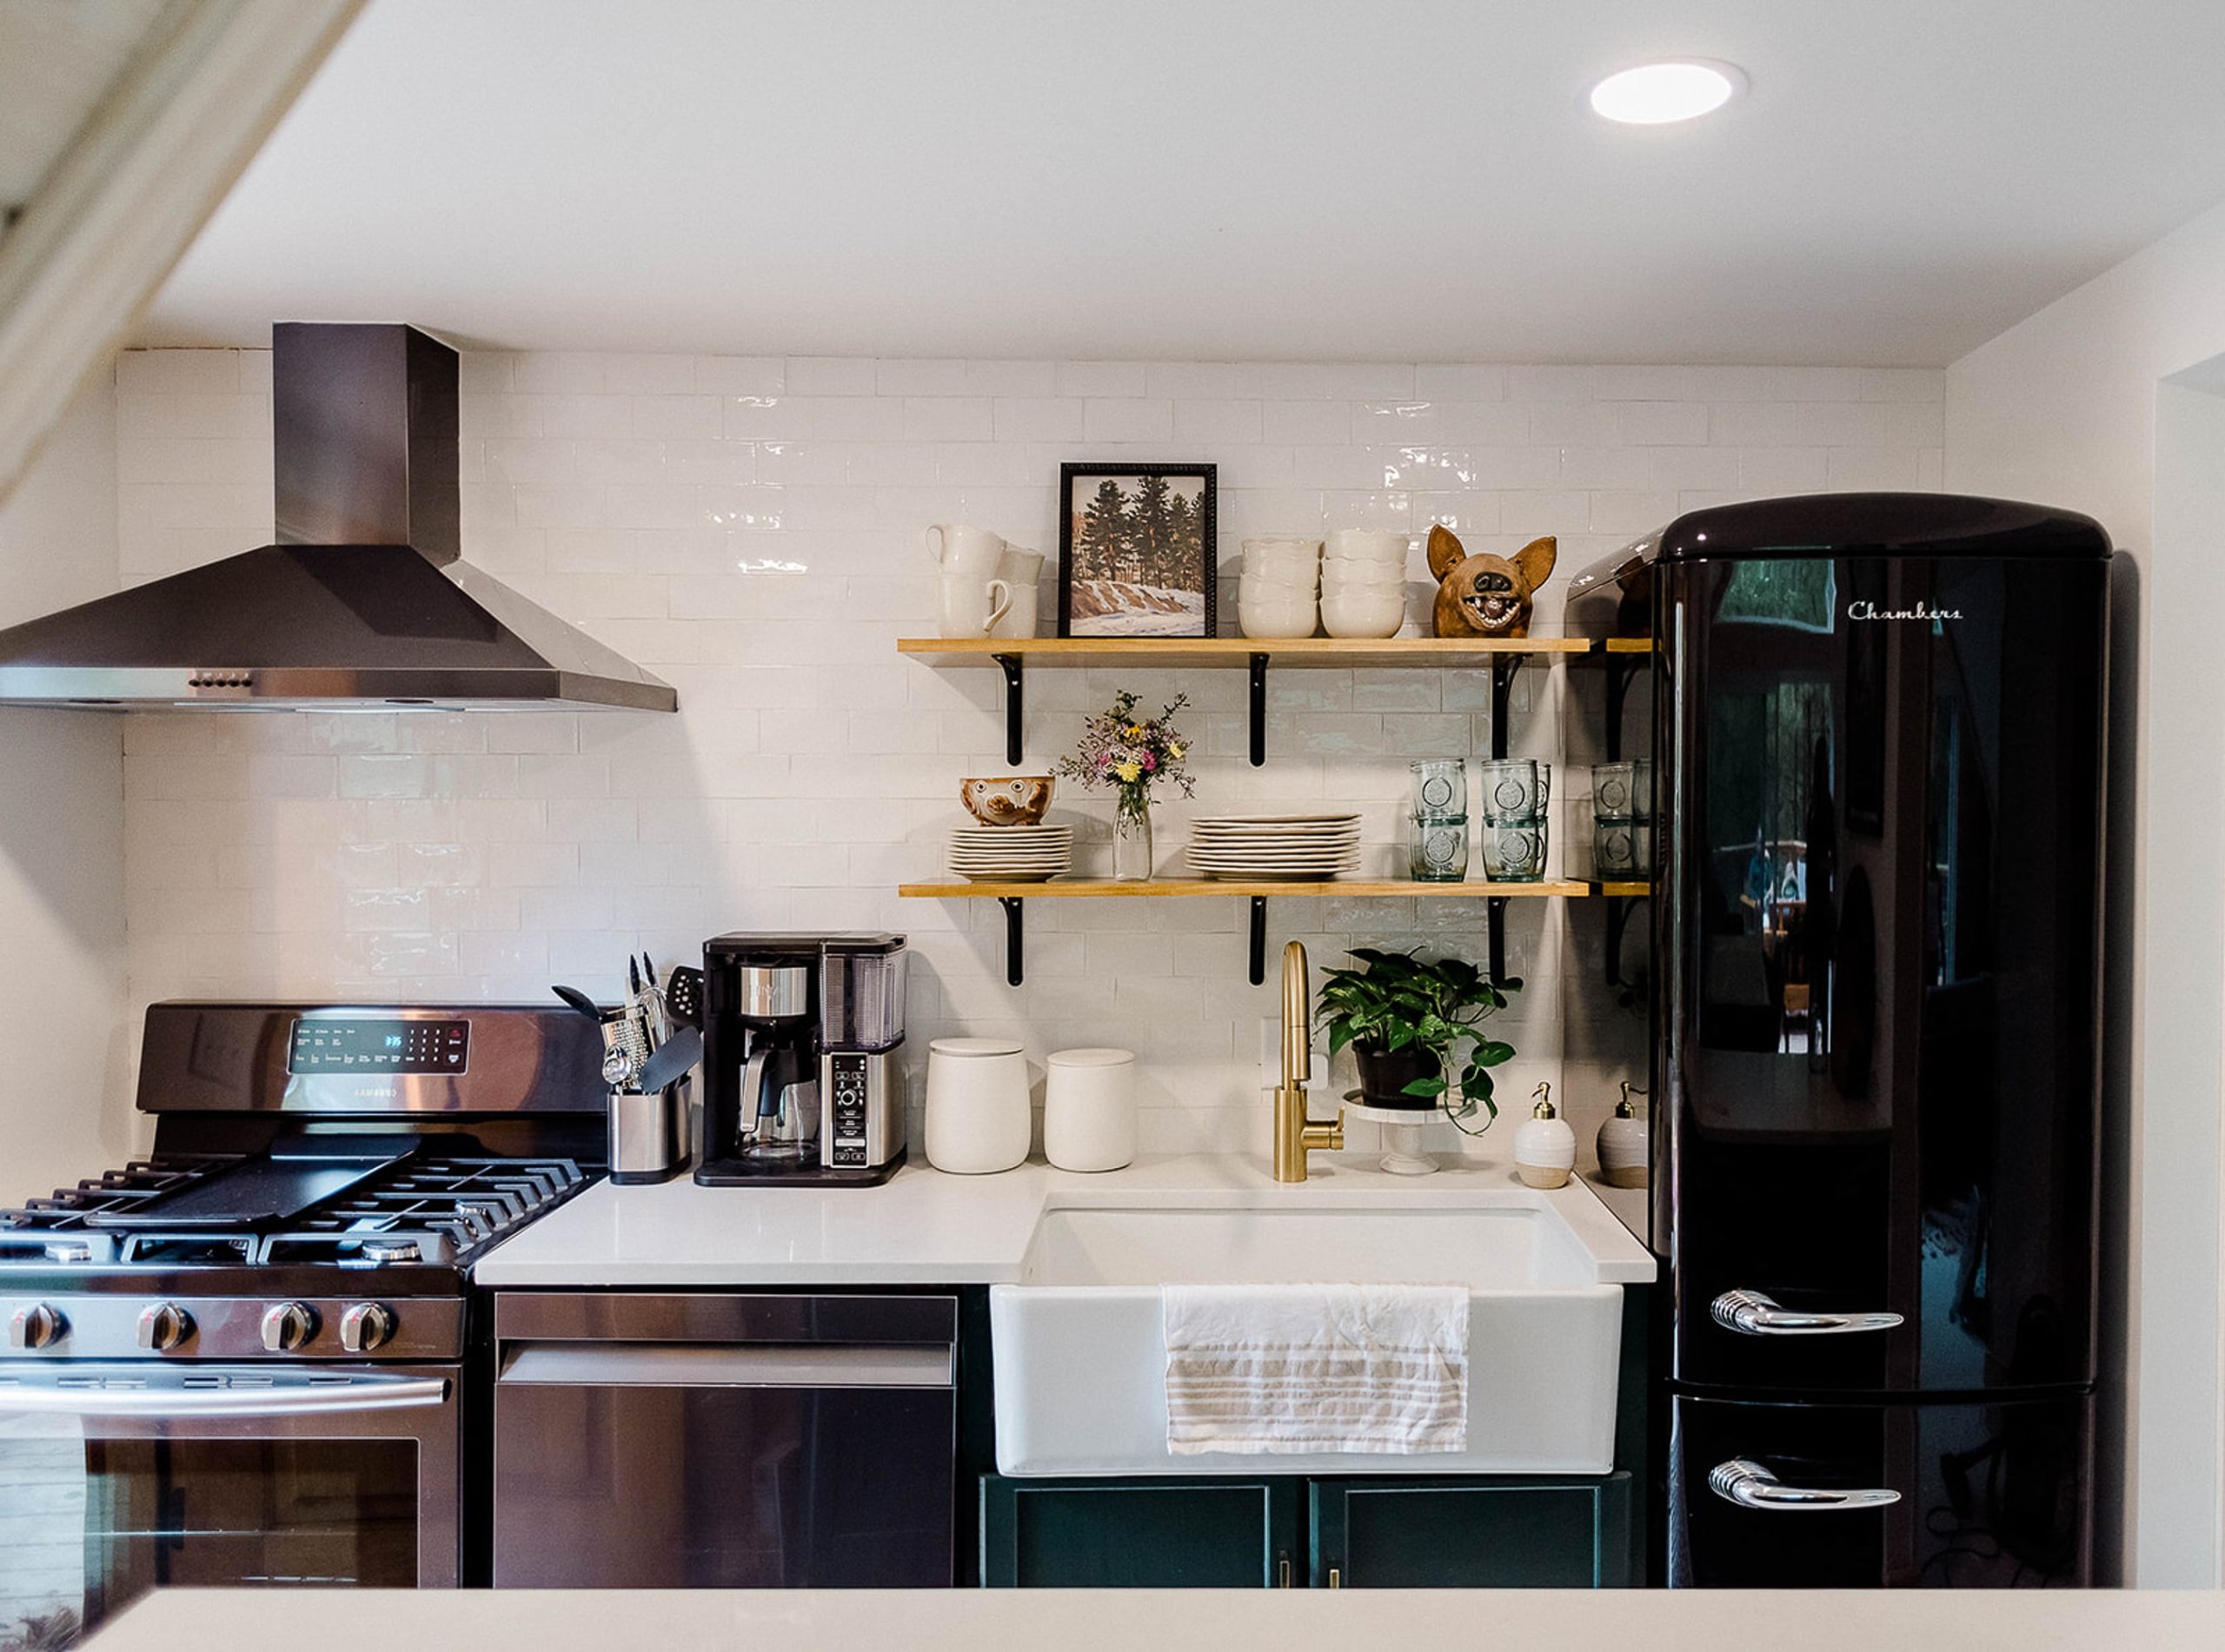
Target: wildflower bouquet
{"x":1131,"y":753}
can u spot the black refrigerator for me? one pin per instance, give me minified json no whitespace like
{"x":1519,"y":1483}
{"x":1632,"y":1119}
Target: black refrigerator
{"x":1877,"y":727}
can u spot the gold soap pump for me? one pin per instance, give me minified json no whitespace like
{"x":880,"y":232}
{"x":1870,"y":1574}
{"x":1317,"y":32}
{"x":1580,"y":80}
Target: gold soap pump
{"x":1544,"y":1148}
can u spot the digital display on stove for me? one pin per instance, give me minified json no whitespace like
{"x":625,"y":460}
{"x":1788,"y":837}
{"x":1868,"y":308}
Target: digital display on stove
{"x":359,"y":1045}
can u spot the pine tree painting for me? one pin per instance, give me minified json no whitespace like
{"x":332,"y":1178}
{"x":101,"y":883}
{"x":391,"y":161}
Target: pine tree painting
{"x":1138,"y":554}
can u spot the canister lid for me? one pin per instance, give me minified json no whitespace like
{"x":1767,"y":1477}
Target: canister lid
{"x":974,"y":1048}
{"x":1090,"y":1056}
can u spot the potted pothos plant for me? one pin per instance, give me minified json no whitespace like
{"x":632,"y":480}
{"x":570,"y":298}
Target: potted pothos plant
{"x":1414,"y":1025}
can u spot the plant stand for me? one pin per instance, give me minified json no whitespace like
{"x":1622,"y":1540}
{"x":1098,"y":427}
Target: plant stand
{"x":1402,"y":1134}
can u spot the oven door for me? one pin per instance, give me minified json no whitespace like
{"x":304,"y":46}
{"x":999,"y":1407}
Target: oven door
{"x":116,"y":1479}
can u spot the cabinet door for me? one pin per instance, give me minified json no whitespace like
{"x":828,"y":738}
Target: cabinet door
{"x":1471,"y":1534}
{"x":1140,"y":1534}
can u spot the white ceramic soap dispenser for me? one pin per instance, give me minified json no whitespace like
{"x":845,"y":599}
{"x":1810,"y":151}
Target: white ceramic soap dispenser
{"x":1544,"y":1149}
{"x":1622,"y":1144}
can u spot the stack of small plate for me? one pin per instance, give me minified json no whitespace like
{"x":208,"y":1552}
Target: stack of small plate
{"x":1281,"y":848}
{"x":1011,"y":854}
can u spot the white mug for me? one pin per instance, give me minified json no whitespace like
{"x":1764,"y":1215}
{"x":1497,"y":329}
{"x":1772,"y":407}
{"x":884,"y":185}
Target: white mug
{"x":972,"y":607}
{"x":965,"y":550}
{"x":1021,"y":569}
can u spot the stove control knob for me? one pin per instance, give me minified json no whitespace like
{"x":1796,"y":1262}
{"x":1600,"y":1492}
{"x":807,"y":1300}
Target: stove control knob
{"x":365,"y":1327}
{"x":163,"y":1325}
{"x":36,"y":1325}
{"x":287,"y":1325}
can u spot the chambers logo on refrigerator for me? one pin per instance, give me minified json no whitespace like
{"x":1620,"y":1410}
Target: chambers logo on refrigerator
{"x":1922,"y":611}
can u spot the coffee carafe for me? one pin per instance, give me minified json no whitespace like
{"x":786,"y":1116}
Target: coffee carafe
{"x":777,"y":1004}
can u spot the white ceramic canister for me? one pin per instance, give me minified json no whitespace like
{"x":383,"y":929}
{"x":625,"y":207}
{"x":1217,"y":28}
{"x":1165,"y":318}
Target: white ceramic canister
{"x":979,"y":1121}
{"x":1089,"y":1108}
{"x":1544,"y":1148}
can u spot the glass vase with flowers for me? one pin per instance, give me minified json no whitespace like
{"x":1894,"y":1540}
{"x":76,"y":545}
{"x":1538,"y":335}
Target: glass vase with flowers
{"x":1131,"y":754}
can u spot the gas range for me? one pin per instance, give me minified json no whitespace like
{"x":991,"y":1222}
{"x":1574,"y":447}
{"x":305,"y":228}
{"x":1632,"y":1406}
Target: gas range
{"x":257,"y":1355}
{"x":366,"y":1154}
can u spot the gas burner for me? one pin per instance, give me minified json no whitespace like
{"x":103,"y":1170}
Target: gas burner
{"x":422,"y":1211}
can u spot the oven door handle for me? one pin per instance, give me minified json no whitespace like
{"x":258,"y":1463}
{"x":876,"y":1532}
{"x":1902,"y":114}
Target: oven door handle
{"x":66,"y":1395}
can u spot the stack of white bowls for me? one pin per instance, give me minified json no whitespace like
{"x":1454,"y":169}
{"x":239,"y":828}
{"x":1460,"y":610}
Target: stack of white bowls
{"x":1277,"y":597}
{"x":1364,"y":583}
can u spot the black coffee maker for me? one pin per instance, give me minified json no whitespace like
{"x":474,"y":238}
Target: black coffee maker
{"x":802,"y":1080}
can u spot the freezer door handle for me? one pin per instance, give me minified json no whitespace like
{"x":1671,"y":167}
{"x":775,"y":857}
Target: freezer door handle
{"x":1755,"y":1315}
{"x":1751,"y":1486}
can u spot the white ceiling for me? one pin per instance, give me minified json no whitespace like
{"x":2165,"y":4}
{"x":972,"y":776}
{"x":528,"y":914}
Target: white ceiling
{"x":1214,"y":179}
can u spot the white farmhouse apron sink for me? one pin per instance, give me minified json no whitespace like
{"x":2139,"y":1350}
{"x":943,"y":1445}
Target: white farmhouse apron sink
{"x":1080,"y":1353}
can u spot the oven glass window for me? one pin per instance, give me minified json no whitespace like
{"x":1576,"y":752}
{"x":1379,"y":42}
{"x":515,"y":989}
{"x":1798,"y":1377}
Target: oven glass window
{"x":87,"y":1527}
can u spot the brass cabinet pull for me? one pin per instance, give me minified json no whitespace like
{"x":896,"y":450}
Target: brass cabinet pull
{"x":1335,"y":1578}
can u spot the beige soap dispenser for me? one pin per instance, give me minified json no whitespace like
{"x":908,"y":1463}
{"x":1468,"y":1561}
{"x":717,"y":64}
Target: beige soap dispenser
{"x":1544,"y":1148}
{"x":1621,"y":1144}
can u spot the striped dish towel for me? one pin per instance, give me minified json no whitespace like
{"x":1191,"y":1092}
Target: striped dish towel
{"x":1303,"y":1368}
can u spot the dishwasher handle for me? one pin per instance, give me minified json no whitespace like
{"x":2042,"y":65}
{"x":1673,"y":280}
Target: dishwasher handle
{"x":627,"y":1365}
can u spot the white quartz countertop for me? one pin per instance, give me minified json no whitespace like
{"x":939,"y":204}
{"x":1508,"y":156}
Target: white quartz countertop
{"x":270,"y":1619}
{"x":926,"y":1227}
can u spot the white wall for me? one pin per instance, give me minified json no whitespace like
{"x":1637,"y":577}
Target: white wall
{"x":750,"y":530}
{"x":62,"y":1110}
{"x":2064,"y":409}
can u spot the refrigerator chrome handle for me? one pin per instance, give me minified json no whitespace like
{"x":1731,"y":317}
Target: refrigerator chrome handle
{"x":1751,"y":1486}
{"x":1755,"y":1315}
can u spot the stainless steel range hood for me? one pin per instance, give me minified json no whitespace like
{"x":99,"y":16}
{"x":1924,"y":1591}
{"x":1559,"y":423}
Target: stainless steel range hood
{"x":362,"y":604}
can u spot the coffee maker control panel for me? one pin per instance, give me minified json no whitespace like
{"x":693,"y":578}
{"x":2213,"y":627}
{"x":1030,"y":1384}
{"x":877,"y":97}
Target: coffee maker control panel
{"x":846,"y":1107}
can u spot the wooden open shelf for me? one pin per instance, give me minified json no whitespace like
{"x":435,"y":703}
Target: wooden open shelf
{"x":1320,"y":651}
{"x":1088,"y":888}
{"x":1626,"y":644}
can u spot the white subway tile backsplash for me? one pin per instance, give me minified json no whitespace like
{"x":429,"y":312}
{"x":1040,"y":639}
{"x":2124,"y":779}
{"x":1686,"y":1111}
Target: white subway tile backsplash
{"x":750,"y":527}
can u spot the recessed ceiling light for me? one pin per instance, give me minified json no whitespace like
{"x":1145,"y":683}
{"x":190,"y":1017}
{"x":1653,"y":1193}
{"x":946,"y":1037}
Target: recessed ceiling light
{"x":1656,"y":93}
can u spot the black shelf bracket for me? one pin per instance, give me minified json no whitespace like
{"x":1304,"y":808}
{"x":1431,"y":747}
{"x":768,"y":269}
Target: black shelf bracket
{"x":1621,"y":668}
{"x":1015,"y":934}
{"x":1258,"y":726}
{"x":1495,"y":920}
{"x":1014,"y":709}
{"x":1504,"y":666}
{"x":1619,"y":917}
{"x":1259,"y":940}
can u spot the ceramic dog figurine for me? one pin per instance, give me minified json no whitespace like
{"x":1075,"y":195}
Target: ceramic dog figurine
{"x":1485,"y":595}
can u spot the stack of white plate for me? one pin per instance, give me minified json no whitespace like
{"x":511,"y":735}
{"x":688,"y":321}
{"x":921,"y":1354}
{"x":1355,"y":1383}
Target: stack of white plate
{"x":1289,"y":848}
{"x":1012,"y":854}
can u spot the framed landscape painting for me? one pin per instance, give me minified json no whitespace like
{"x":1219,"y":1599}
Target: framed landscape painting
{"x":1136,"y":551}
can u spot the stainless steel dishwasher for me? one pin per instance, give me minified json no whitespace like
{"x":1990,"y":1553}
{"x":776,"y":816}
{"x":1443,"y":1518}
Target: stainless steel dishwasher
{"x":705,"y":1441}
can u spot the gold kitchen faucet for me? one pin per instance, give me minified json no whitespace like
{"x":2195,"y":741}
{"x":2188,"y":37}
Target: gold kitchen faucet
{"x":1295,"y":1135}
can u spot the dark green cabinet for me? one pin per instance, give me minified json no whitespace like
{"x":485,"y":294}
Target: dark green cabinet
{"x":1141,"y":1534}
{"x":1470,"y":1533}
{"x":1281,"y":1532}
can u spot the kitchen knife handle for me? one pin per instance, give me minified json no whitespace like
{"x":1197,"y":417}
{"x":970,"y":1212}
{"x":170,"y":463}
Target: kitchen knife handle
{"x":1751,"y":1486}
{"x":1755,"y":1315}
